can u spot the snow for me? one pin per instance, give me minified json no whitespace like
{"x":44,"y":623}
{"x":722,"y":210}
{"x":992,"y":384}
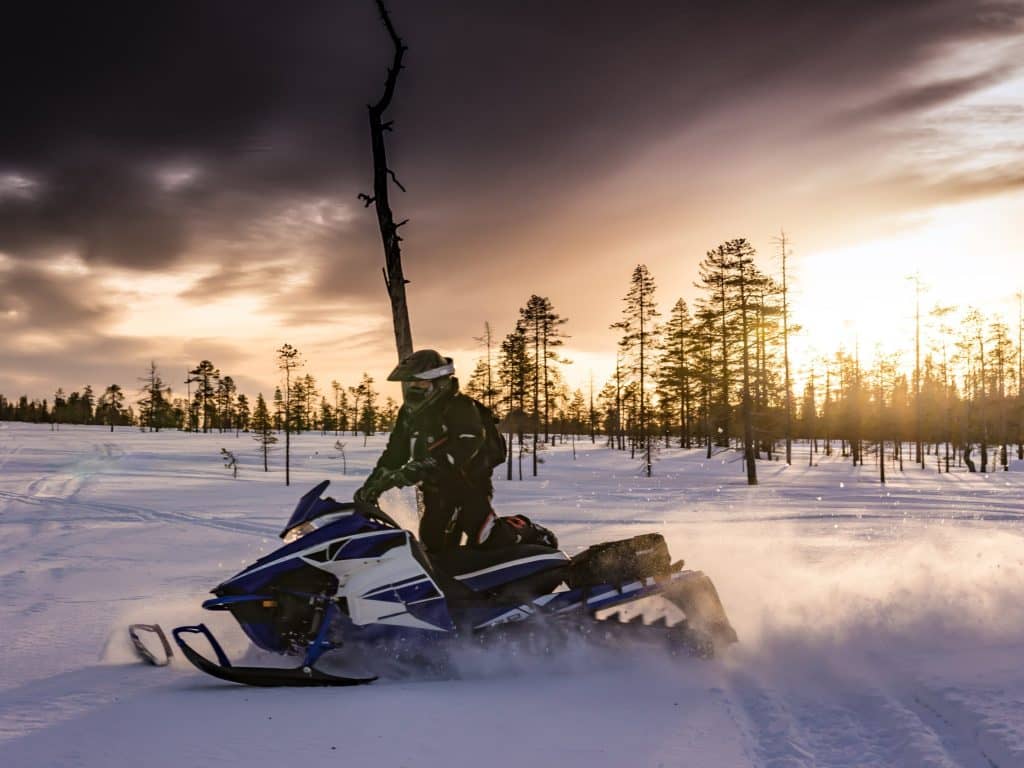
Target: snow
{"x":879,"y":626}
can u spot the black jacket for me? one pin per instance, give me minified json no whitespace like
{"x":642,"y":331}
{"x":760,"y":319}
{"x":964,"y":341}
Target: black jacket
{"x":451,"y":432}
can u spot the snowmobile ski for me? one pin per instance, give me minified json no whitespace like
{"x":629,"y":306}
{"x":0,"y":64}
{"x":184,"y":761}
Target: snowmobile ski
{"x":144,"y":651}
{"x":263,"y":677}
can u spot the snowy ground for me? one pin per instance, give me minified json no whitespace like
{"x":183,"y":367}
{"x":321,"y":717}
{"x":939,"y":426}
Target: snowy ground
{"x":878,"y":626}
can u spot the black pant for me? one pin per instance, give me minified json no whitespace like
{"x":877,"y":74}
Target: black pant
{"x":452,"y":510}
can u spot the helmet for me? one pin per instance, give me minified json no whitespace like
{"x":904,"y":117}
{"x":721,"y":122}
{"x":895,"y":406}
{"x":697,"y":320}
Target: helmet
{"x":426,"y":377}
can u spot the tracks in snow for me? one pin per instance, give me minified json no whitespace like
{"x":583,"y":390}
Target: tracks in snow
{"x":818,"y":716}
{"x":73,"y":510}
{"x":55,"y":499}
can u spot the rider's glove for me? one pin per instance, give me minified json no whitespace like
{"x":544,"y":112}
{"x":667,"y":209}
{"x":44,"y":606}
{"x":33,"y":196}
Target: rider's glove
{"x":379,"y":481}
{"x":365,"y":496}
{"x":412,"y":472}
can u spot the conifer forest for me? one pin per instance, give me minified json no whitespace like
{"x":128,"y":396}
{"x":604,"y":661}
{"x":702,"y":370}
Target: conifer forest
{"x":713,"y":373}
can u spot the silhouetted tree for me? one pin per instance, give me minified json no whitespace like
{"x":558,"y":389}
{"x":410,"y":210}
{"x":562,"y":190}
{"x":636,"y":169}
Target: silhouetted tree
{"x":110,"y":410}
{"x":153,"y":406}
{"x":263,"y":428}
{"x":205,"y":376}
{"x":288,"y":360}
{"x":637,"y":344}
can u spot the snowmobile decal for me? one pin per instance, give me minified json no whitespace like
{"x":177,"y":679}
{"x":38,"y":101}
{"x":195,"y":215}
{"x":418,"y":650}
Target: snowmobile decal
{"x":502,"y":573}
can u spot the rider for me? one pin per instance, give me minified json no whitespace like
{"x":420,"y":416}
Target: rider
{"x":440,"y":443}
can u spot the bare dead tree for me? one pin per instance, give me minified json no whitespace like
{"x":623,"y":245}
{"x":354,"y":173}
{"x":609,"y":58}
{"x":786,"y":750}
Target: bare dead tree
{"x":394,"y":279}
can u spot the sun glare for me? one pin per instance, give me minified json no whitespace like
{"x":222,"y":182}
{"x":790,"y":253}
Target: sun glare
{"x":966,"y":255}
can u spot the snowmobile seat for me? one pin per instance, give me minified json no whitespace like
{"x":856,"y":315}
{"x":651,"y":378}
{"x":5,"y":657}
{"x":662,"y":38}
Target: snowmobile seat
{"x":486,"y":570}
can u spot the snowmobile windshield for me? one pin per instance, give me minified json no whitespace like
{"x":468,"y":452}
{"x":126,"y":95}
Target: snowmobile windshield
{"x":310,"y":507}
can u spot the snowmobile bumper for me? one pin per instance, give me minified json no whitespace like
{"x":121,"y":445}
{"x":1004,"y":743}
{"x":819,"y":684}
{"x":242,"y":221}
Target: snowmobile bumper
{"x":265,"y":677}
{"x":143,"y":650}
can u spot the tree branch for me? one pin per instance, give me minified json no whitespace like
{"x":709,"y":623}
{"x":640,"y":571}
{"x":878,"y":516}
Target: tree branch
{"x":395,"y":179}
{"x":396,"y":66}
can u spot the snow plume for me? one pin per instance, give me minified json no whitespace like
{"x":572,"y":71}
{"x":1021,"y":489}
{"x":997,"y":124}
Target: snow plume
{"x":930,"y":587}
{"x":117,"y":649}
{"x":542,"y":652}
{"x":401,"y":505}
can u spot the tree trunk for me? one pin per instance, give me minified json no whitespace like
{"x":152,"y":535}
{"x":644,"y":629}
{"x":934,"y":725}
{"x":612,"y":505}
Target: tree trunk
{"x":394,"y":279}
{"x":748,"y":423}
{"x":966,"y":453}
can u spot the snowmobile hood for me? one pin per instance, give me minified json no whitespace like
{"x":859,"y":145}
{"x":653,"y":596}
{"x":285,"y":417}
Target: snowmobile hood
{"x":311,"y":506}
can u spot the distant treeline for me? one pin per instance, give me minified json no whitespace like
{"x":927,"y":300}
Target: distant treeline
{"x":715,"y":376}
{"x":212,"y":404}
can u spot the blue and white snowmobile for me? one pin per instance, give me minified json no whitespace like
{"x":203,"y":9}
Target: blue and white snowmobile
{"x":349,"y":576}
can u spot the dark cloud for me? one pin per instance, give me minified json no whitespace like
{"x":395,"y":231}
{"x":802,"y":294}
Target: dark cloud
{"x":502,"y":108}
{"x":102,"y":207}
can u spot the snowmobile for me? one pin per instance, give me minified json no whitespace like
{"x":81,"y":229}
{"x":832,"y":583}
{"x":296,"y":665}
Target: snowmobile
{"x":348,"y":575}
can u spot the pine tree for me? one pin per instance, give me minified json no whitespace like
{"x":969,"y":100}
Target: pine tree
{"x":1001,"y":353}
{"x":355,"y":396}
{"x":387,"y":415}
{"x":225,"y":403}
{"x":784,"y":254}
{"x":87,"y":403}
{"x":288,"y":360}
{"x":480,"y":382}
{"x":576,"y":411}
{"x":541,"y":326}
{"x":263,"y":428}
{"x":742,"y":278}
{"x":675,"y":369}
{"x":241,"y":414}
{"x":278,"y":409}
{"x":339,"y":395}
{"x":327,"y":419}
{"x":110,"y":409}
{"x":715,"y":314}
{"x":368,"y":416}
{"x":59,"y":407}
{"x":297,"y":404}
{"x":206,"y":377}
{"x":153,"y":403}
{"x":513,"y":375}
{"x":486,"y":382}
{"x":309,"y":396}
{"x":638,"y":326}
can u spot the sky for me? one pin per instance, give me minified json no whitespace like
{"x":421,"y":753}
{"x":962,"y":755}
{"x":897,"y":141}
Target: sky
{"x":179,"y":180}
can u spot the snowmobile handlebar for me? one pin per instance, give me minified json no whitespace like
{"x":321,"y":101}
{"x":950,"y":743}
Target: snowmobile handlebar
{"x":374,"y":512}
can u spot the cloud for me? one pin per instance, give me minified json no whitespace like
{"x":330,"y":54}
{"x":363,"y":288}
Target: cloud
{"x":14,"y":186}
{"x":920,"y":98}
{"x":48,"y":300}
{"x":975,"y":184}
